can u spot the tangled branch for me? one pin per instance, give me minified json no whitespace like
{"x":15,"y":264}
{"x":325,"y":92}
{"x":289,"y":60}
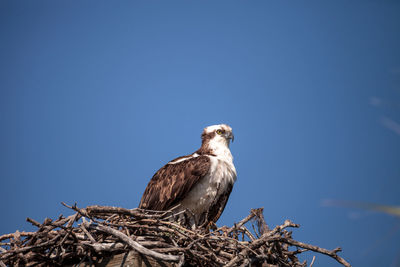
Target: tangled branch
{"x":95,"y":232}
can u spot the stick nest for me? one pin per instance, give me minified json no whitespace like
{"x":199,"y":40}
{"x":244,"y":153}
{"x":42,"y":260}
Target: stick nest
{"x":95,"y":232}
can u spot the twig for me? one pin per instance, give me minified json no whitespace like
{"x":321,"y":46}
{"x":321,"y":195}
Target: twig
{"x":332,"y":253}
{"x":312,"y":262}
{"x":82,"y":226}
{"x":136,"y":246}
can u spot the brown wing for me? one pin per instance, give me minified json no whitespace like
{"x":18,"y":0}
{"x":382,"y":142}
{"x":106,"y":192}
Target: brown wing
{"x":218,"y":206}
{"x":173,"y":182}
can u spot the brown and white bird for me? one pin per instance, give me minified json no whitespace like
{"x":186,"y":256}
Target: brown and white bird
{"x":199,"y":183}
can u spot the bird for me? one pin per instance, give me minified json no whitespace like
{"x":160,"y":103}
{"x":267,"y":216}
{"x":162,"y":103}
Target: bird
{"x":197,"y":185}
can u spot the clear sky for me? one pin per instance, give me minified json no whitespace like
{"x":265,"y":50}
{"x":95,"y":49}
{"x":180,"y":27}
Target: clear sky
{"x":96,"y":96}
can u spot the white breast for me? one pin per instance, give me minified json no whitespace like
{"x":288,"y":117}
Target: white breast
{"x":221,"y":174}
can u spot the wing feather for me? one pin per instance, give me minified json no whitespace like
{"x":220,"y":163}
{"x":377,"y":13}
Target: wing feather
{"x":173,"y":182}
{"x":218,"y":206}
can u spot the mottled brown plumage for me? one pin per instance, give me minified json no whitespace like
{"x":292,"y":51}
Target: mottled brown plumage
{"x":172,"y":183}
{"x":218,"y":206}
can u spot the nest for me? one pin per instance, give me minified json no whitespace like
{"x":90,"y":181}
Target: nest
{"x":96,"y":232}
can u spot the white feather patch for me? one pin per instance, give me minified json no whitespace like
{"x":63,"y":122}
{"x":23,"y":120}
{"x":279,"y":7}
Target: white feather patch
{"x":195,"y":155}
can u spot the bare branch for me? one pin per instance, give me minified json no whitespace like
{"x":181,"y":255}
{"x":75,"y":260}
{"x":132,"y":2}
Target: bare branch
{"x":136,"y":246}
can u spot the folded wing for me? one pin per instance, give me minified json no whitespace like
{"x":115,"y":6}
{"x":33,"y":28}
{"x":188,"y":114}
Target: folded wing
{"x":173,"y":182}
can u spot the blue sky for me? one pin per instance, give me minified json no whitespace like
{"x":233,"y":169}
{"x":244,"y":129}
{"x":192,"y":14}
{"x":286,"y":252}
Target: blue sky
{"x":95,"y":96}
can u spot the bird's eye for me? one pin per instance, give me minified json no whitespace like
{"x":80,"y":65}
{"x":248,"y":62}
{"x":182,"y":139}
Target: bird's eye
{"x":219,"y":132}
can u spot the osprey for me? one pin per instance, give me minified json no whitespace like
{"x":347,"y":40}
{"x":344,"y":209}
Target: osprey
{"x":199,"y":183}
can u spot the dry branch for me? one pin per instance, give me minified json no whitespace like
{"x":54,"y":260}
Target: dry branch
{"x":154,"y":235}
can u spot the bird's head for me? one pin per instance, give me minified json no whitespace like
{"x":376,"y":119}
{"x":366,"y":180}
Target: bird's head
{"x":217,"y":135}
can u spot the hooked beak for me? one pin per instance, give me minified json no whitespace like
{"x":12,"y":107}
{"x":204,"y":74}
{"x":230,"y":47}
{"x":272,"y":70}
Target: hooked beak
{"x":230,"y":136}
